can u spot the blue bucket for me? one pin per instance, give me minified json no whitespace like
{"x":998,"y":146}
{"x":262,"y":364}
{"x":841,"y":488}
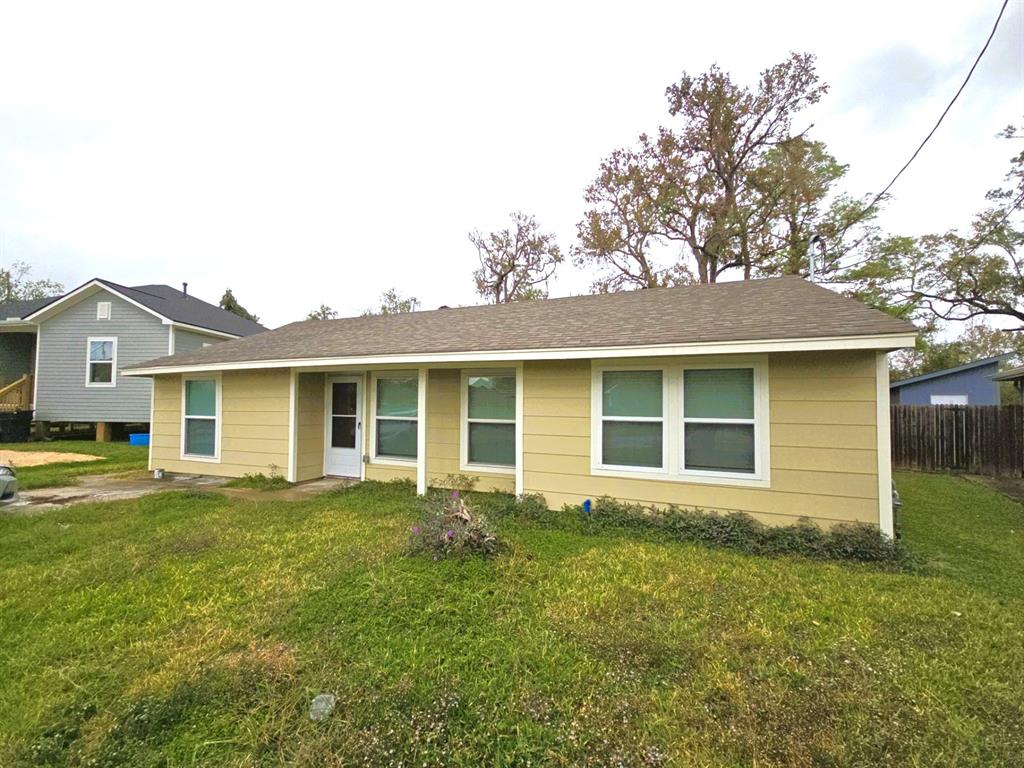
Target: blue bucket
{"x":138,"y":438}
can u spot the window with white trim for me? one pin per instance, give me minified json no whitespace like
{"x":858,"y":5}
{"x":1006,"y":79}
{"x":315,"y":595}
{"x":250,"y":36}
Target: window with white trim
{"x":489,"y":420}
{"x":632,"y":419}
{"x":101,"y":362}
{"x":702,"y":420}
{"x":201,"y":418}
{"x":718,"y":420}
{"x":102,"y":310}
{"x":396,"y":413}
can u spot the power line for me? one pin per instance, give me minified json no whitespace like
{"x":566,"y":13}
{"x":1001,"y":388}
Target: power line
{"x":942,"y":117}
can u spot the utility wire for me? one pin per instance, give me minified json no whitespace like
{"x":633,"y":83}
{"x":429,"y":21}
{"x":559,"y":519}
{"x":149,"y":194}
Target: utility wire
{"x":942,"y":117}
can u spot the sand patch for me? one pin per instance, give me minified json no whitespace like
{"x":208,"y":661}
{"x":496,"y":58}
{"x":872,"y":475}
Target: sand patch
{"x":38,"y":458}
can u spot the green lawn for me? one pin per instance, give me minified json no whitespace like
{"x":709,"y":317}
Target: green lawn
{"x":195,"y":630}
{"x":117,"y":457}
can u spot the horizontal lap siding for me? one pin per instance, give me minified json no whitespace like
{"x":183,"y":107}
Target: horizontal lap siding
{"x":822,"y":430}
{"x":188,"y":341}
{"x":61,"y":393}
{"x":254,"y":425}
{"x":309,"y":431}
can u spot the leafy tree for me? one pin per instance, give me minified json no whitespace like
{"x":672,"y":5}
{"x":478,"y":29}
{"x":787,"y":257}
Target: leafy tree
{"x":515,"y":263}
{"x":728,"y":187}
{"x":393,"y":303}
{"x":954,"y":276}
{"x":230,"y":303}
{"x":323,"y":312}
{"x":15,"y":284}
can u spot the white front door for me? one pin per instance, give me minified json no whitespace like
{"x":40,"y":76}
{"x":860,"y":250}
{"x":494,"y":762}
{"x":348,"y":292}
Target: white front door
{"x":343,"y":453}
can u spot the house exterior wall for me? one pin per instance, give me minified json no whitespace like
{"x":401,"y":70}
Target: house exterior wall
{"x":187,"y":341}
{"x":822,"y":437}
{"x":61,"y":393}
{"x":976,"y":383}
{"x":254,"y":425}
{"x":17,"y":356}
{"x":823,"y":455}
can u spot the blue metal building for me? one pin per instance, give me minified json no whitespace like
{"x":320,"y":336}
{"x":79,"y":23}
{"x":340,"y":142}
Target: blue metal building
{"x":968,"y":384}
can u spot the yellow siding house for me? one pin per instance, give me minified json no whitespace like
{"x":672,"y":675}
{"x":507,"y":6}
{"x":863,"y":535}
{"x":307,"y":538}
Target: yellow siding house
{"x":768,"y":397}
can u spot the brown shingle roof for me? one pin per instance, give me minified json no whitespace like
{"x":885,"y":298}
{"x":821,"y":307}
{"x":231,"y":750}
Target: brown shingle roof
{"x":777,"y":308}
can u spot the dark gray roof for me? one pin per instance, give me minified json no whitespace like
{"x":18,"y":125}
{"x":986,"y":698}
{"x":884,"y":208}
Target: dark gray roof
{"x":779,"y":308}
{"x":1010,"y":374}
{"x":23,"y":307}
{"x":947,"y":371}
{"x":181,"y":308}
{"x":177,"y":307}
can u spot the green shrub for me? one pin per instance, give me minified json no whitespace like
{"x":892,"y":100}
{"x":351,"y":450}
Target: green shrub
{"x":448,"y":527}
{"x":529,"y":506}
{"x":740,"y":531}
{"x":457,"y":482}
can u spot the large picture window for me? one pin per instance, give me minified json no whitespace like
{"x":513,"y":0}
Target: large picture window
{"x":490,"y":423}
{"x":100,"y":362}
{"x":632,"y":419}
{"x":201,"y":415}
{"x":396,"y":414}
{"x":691,"y":420}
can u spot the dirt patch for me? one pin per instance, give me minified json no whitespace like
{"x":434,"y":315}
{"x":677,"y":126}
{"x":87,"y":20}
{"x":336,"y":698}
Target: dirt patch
{"x":38,"y":458}
{"x":1010,"y":486}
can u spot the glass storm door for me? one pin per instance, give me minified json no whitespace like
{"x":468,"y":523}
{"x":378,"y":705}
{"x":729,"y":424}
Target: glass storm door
{"x":343,"y":454}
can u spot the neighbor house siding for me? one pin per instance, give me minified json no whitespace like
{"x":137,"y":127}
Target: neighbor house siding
{"x":253,"y":429}
{"x":61,"y":393}
{"x":187,"y":341}
{"x":822,"y":443}
{"x":17,"y":356}
{"x":976,"y":383}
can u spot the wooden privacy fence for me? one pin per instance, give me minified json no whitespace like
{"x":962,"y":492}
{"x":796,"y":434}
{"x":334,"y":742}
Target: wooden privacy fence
{"x":980,"y":439}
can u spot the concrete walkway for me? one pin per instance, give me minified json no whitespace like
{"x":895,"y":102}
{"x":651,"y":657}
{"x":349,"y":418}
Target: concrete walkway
{"x":94,"y":488}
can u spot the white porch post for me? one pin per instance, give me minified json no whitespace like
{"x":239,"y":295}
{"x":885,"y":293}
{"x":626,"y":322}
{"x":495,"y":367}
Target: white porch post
{"x":293,"y":424}
{"x":421,"y":433}
{"x":519,"y":429}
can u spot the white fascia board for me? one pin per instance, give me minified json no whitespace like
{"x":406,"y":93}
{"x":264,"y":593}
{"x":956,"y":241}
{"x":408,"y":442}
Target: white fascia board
{"x":200,"y":330}
{"x":881,"y":342}
{"x":83,"y":292}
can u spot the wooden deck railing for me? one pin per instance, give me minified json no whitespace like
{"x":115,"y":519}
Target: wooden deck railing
{"x":17,"y":396}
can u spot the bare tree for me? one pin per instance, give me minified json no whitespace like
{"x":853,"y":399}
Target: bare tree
{"x":515,"y":263}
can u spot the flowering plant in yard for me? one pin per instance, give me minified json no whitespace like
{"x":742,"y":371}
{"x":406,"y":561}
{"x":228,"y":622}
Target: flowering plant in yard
{"x":450,"y":527}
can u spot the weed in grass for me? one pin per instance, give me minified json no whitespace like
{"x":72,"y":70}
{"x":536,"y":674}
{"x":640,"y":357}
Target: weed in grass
{"x":258,"y":481}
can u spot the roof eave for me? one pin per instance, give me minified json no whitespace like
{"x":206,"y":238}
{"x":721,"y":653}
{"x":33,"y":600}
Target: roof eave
{"x":880,"y":342}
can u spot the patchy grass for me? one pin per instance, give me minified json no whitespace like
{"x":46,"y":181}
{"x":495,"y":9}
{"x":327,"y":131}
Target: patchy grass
{"x":117,"y":457}
{"x":259,"y":482}
{"x":194,"y":629}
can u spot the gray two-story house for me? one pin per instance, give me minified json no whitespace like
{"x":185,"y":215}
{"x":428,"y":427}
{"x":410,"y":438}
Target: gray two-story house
{"x":75,"y":345}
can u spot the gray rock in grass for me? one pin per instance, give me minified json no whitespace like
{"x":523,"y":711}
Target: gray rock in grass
{"x":323,"y":705}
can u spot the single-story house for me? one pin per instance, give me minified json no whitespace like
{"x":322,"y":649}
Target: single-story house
{"x":968,"y":384}
{"x":72,"y":347}
{"x":766,"y":396}
{"x":1015,"y":376}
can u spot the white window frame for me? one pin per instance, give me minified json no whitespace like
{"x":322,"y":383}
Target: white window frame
{"x":464,"y":463}
{"x":89,"y":362}
{"x":396,"y":461}
{"x":598,"y":420}
{"x":949,"y":400}
{"x":217,"y":418}
{"x":673,"y":433}
{"x":100,"y":313}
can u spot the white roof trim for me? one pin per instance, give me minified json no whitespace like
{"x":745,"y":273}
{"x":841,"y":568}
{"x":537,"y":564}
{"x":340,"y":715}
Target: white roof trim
{"x":201,"y":330}
{"x":44,"y":312}
{"x":885,"y":341}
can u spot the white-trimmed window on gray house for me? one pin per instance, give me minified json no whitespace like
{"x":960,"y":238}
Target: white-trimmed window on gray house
{"x":101,"y":362}
{"x":200,"y":433}
{"x":489,"y":421}
{"x":396,"y":416}
{"x":632,"y":419}
{"x":103,"y":309}
{"x":698,"y":421}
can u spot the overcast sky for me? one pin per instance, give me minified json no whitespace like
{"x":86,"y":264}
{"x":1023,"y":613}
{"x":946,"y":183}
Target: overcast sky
{"x":306,"y":153}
